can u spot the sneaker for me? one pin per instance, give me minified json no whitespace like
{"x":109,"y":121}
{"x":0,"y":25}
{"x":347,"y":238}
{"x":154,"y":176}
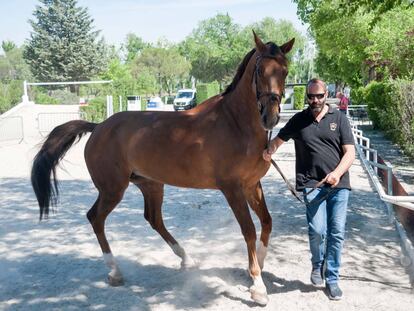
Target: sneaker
{"x":334,"y":292}
{"x":316,"y":276}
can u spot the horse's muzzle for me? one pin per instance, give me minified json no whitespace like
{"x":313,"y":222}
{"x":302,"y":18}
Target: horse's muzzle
{"x":269,"y":123}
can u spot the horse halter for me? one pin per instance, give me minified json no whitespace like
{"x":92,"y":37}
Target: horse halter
{"x":273,"y":96}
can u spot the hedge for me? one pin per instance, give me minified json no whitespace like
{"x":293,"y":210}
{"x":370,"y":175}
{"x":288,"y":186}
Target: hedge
{"x":391,"y":109}
{"x":207,"y":90}
{"x":299,"y":92}
{"x":95,"y":111}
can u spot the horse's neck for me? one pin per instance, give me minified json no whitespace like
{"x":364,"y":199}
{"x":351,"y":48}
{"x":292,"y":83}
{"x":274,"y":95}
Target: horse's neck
{"x":242,"y":100}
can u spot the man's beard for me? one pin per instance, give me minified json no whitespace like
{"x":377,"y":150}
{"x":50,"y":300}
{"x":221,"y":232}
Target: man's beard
{"x":317,"y":107}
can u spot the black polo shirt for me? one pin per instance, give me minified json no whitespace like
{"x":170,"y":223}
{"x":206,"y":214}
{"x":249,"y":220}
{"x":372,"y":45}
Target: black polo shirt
{"x":318,"y":146}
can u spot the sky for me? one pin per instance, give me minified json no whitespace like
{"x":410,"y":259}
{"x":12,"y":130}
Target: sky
{"x":150,"y":20}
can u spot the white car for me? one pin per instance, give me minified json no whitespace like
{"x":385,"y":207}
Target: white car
{"x":185,"y":99}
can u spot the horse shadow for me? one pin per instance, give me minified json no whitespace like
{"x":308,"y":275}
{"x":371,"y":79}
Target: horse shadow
{"x":38,"y":278}
{"x":56,"y":284}
{"x":41,"y":278}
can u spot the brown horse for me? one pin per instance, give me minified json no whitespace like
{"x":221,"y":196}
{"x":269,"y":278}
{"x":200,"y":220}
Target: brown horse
{"x":217,"y":145}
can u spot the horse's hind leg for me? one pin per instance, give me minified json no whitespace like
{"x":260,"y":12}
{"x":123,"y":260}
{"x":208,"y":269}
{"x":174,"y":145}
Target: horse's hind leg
{"x":105,"y":203}
{"x":256,"y":200}
{"x":153,"y":196}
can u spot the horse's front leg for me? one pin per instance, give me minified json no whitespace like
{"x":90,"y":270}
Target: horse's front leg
{"x":237,"y":201}
{"x":255,"y":197}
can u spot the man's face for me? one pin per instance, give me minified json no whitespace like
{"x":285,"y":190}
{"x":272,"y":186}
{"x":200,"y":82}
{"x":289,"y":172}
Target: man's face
{"x":316,"y":97}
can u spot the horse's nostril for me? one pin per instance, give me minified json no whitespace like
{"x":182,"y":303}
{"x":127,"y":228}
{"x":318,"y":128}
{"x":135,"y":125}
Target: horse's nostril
{"x":277,"y":119}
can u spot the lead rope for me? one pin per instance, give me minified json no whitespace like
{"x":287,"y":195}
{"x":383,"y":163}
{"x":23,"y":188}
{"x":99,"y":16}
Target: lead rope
{"x":290,"y":186}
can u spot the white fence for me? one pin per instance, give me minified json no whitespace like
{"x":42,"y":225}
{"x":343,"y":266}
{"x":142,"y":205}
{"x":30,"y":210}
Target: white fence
{"x":369,"y":158}
{"x":46,"y":122}
{"x":11,"y":129}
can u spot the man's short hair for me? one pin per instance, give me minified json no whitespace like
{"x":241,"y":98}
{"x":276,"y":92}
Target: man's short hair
{"x":316,"y":81}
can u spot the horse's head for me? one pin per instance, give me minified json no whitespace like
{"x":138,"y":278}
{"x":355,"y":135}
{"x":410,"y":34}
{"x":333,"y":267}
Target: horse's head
{"x":269,"y":79}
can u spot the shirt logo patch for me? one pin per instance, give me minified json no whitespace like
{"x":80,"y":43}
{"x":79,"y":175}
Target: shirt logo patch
{"x":333,"y":126}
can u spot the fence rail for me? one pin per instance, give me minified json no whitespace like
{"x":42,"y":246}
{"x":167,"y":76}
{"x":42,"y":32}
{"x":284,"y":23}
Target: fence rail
{"x":11,"y":129}
{"x":369,"y":158}
{"x":48,"y":121}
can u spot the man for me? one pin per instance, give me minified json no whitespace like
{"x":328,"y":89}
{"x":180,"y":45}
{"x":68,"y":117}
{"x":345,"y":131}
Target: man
{"x":325,"y":150}
{"x":343,"y":102}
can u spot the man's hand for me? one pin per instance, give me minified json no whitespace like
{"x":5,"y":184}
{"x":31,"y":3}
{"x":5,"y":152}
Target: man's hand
{"x":333,"y":178}
{"x":267,"y":153}
{"x":273,"y":145}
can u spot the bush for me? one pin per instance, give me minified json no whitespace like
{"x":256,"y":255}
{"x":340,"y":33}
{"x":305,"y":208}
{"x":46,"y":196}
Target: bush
{"x":377,"y":97}
{"x":357,"y":96}
{"x":391,"y":109}
{"x":65,"y":97}
{"x":207,"y":90}
{"x":95,"y":111}
{"x":402,"y":93}
{"x":44,"y":99}
{"x":10,"y":94}
{"x":299,"y":93}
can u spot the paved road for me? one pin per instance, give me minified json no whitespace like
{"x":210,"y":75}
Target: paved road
{"x":57,"y":265}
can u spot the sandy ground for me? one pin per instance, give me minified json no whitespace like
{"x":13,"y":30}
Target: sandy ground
{"x":57,"y":264}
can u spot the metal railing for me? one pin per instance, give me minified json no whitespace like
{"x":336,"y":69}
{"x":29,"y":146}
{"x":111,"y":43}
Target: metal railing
{"x":366,"y":154}
{"x":48,"y":121}
{"x":11,"y":129}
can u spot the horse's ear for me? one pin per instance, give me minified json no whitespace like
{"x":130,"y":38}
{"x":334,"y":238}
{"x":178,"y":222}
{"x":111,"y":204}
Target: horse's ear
{"x":261,"y":47}
{"x":287,"y":46}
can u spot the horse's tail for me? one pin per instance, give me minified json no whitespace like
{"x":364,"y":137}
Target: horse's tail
{"x":52,"y":151}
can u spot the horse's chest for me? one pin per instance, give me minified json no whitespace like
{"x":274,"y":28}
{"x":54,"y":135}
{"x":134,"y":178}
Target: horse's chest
{"x":251,"y":166}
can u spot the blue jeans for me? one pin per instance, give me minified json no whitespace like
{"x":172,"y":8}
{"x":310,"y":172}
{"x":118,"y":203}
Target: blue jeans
{"x":326,"y":225}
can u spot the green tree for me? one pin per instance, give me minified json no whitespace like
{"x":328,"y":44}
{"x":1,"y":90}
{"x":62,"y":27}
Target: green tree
{"x":218,"y":45}
{"x":13,"y":66}
{"x":63,"y":45}
{"x":279,"y":32}
{"x":341,"y":53}
{"x":392,"y":44}
{"x":356,"y":40}
{"x":7,"y":46}
{"x":307,"y":8}
{"x":165,"y":63}
{"x":214,"y":48}
{"x":133,"y":46}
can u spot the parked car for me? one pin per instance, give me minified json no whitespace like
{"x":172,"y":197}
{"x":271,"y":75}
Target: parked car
{"x":185,"y":99}
{"x":155,"y":103}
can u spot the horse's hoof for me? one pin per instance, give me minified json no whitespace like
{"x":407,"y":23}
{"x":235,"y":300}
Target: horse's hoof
{"x":259,"y":296}
{"x":188,"y":263}
{"x":115,"y":281}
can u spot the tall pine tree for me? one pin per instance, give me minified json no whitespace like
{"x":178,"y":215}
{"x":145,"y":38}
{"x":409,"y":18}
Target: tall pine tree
{"x":63,"y":45}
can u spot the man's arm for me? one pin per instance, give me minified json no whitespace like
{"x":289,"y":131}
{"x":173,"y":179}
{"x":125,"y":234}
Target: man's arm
{"x":343,"y":166}
{"x":273,"y":146}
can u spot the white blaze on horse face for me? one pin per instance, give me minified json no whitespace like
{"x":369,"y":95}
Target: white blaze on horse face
{"x":110,"y":262}
{"x":261,"y":254}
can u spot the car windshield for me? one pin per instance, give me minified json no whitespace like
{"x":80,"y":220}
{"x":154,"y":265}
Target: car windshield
{"x":185,"y":95}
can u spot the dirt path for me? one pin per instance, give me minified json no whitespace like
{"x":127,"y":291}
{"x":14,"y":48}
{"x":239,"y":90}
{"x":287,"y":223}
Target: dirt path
{"x":57,"y":264}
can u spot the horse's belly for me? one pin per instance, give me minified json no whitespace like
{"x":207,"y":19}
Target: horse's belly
{"x":178,"y":176}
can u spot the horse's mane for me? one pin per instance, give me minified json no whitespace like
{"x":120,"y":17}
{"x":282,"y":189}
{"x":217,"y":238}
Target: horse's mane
{"x":273,"y":50}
